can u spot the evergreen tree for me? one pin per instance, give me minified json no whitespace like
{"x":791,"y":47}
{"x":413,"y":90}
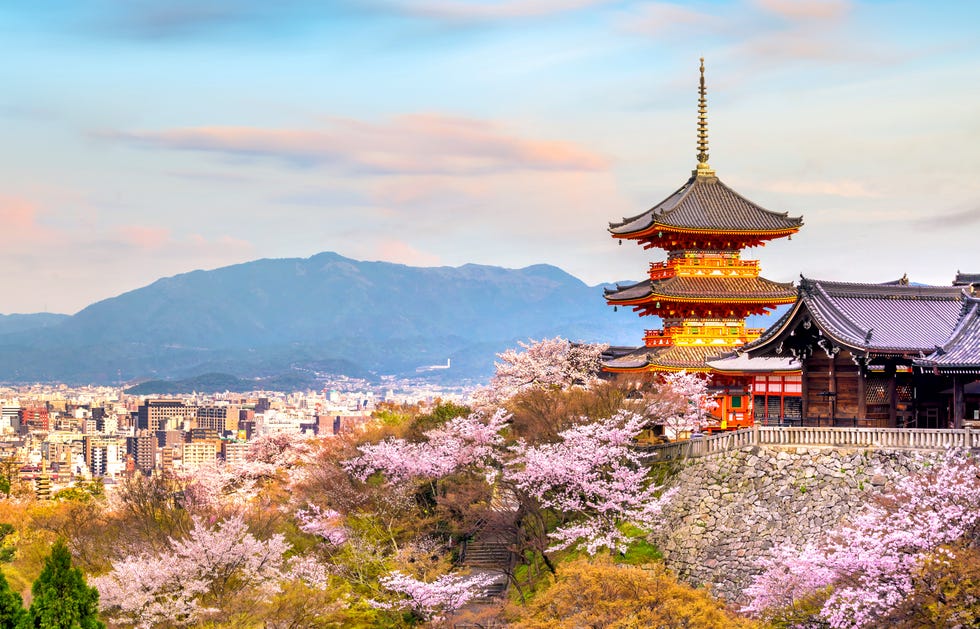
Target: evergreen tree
{"x":11,"y":605}
{"x":62,"y":599}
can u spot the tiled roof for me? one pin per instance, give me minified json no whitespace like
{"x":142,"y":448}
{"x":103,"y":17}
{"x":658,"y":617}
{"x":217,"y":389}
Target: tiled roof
{"x":965,"y":279}
{"x":876,"y":318}
{"x":961,"y":351}
{"x":705,"y":203}
{"x":672,"y":357}
{"x":714,"y":288}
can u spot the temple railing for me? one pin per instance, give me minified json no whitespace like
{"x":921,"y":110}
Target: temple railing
{"x":785,"y":436}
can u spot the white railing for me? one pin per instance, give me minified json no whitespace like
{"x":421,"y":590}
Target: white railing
{"x":898,"y":438}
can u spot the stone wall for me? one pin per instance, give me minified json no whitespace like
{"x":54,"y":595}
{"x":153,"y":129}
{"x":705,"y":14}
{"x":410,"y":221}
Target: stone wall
{"x":733,"y":509}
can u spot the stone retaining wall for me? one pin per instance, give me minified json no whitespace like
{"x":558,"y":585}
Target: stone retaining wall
{"x":733,"y":508}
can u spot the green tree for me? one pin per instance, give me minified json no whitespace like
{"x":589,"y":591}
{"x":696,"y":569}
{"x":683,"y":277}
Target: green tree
{"x":62,"y":599}
{"x":11,"y":605}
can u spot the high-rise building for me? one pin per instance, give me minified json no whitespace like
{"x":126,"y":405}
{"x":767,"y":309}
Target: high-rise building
{"x":143,"y":448}
{"x":220,"y":418}
{"x":164,"y":414}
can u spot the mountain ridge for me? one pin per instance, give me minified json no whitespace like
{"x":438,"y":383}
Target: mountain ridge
{"x":273,"y":315}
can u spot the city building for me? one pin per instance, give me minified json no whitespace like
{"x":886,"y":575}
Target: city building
{"x":164,"y":414}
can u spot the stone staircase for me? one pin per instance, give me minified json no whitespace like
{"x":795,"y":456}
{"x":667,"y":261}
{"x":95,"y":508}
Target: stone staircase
{"x":489,"y":554}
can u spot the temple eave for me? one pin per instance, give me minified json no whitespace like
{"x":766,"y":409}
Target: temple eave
{"x":766,"y":300}
{"x":669,"y":229}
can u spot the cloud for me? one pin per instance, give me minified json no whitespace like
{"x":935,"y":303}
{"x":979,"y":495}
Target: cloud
{"x":493,"y":10}
{"x":57,"y":260}
{"x":950,"y":220}
{"x":393,"y":250}
{"x":153,"y":20}
{"x":143,"y":237}
{"x":186,"y":19}
{"x":21,"y":228}
{"x":766,"y":32}
{"x":806,"y":10}
{"x":413,"y":144}
{"x":673,"y":21}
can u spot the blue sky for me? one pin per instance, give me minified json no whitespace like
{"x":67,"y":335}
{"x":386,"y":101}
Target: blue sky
{"x":143,"y":139}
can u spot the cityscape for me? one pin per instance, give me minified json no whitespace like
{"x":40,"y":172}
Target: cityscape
{"x":58,"y":435}
{"x":474,"y":314}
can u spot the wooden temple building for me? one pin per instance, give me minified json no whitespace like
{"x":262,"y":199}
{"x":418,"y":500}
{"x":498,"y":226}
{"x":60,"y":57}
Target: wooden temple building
{"x":891,"y":355}
{"x":704,"y":291}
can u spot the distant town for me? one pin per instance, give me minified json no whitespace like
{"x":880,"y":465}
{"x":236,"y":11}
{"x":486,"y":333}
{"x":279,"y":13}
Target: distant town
{"x":52,"y":435}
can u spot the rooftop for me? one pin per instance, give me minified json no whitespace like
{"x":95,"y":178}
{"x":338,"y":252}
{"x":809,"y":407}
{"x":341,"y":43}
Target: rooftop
{"x":871,"y":318}
{"x":961,"y":351}
{"x":704,"y":203}
{"x":673,"y":358}
{"x":719,"y":289}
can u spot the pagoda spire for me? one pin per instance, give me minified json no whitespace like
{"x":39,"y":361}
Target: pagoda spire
{"x":703,"y":168}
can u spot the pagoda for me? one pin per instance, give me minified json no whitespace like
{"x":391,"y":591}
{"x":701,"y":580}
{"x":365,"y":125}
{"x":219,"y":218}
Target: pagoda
{"x":705,"y":290}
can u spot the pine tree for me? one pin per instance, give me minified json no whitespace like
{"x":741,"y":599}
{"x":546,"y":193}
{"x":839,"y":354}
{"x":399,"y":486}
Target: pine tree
{"x":62,"y":599}
{"x":11,"y":605}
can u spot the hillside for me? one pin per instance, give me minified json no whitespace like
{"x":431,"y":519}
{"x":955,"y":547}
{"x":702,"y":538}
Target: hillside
{"x":326,"y":313}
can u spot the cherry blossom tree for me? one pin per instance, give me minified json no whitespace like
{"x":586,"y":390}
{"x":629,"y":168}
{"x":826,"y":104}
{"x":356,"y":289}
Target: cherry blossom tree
{"x":214,"y":486}
{"x":325,"y":523}
{"x":681,"y":403}
{"x":196,"y":576}
{"x":870,"y":562}
{"x":594,"y":476}
{"x":463,"y":441}
{"x":268,"y":454}
{"x":547,"y":363}
{"x":433,"y":600}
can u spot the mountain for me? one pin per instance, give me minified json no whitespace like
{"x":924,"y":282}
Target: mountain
{"x":323,"y":314}
{"x":20,"y":322}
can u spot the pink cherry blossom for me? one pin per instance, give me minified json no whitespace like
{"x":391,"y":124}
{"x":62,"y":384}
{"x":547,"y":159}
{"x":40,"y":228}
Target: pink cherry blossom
{"x":463,"y":441}
{"x":433,"y":600}
{"x":870,"y":560}
{"x":681,"y":403}
{"x":549,"y":362}
{"x":325,"y":523}
{"x":594,"y":475}
{"x":212,"y":563}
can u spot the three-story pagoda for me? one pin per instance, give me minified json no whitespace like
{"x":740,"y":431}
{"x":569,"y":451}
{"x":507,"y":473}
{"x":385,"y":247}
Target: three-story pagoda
{"x":704,"y":290}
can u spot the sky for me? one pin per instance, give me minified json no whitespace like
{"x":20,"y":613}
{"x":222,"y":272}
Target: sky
{"x":140,"y":139}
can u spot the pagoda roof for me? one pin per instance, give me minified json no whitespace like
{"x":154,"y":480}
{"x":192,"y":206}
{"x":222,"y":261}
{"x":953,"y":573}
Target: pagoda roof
{"x":892,"y":318}
{"x":708,"y":288}
{"x":704,"y":203}
{"x":672,"y":358}
{"x":961,"y":351}
{"x":966,"y":279}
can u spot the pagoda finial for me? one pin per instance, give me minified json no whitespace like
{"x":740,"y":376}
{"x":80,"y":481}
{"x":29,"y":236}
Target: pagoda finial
{"x":703,"y":168}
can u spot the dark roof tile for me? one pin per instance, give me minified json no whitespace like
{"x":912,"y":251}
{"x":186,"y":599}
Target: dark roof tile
{"x":715,"y":288}
{"x":877,"y":318}
{"x":961,"y":351}
{"x":705,"y":203}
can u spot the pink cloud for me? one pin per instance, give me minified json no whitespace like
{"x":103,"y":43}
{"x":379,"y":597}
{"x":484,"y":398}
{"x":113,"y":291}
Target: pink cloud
{"x":415,"y":144}
{"x":805,"y":10}
{"x":673,"y":21}
{"x":767,"y":32}
{"x":493,"y":10}
{"x":143,"y":237}
{"x":392,"y":250}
